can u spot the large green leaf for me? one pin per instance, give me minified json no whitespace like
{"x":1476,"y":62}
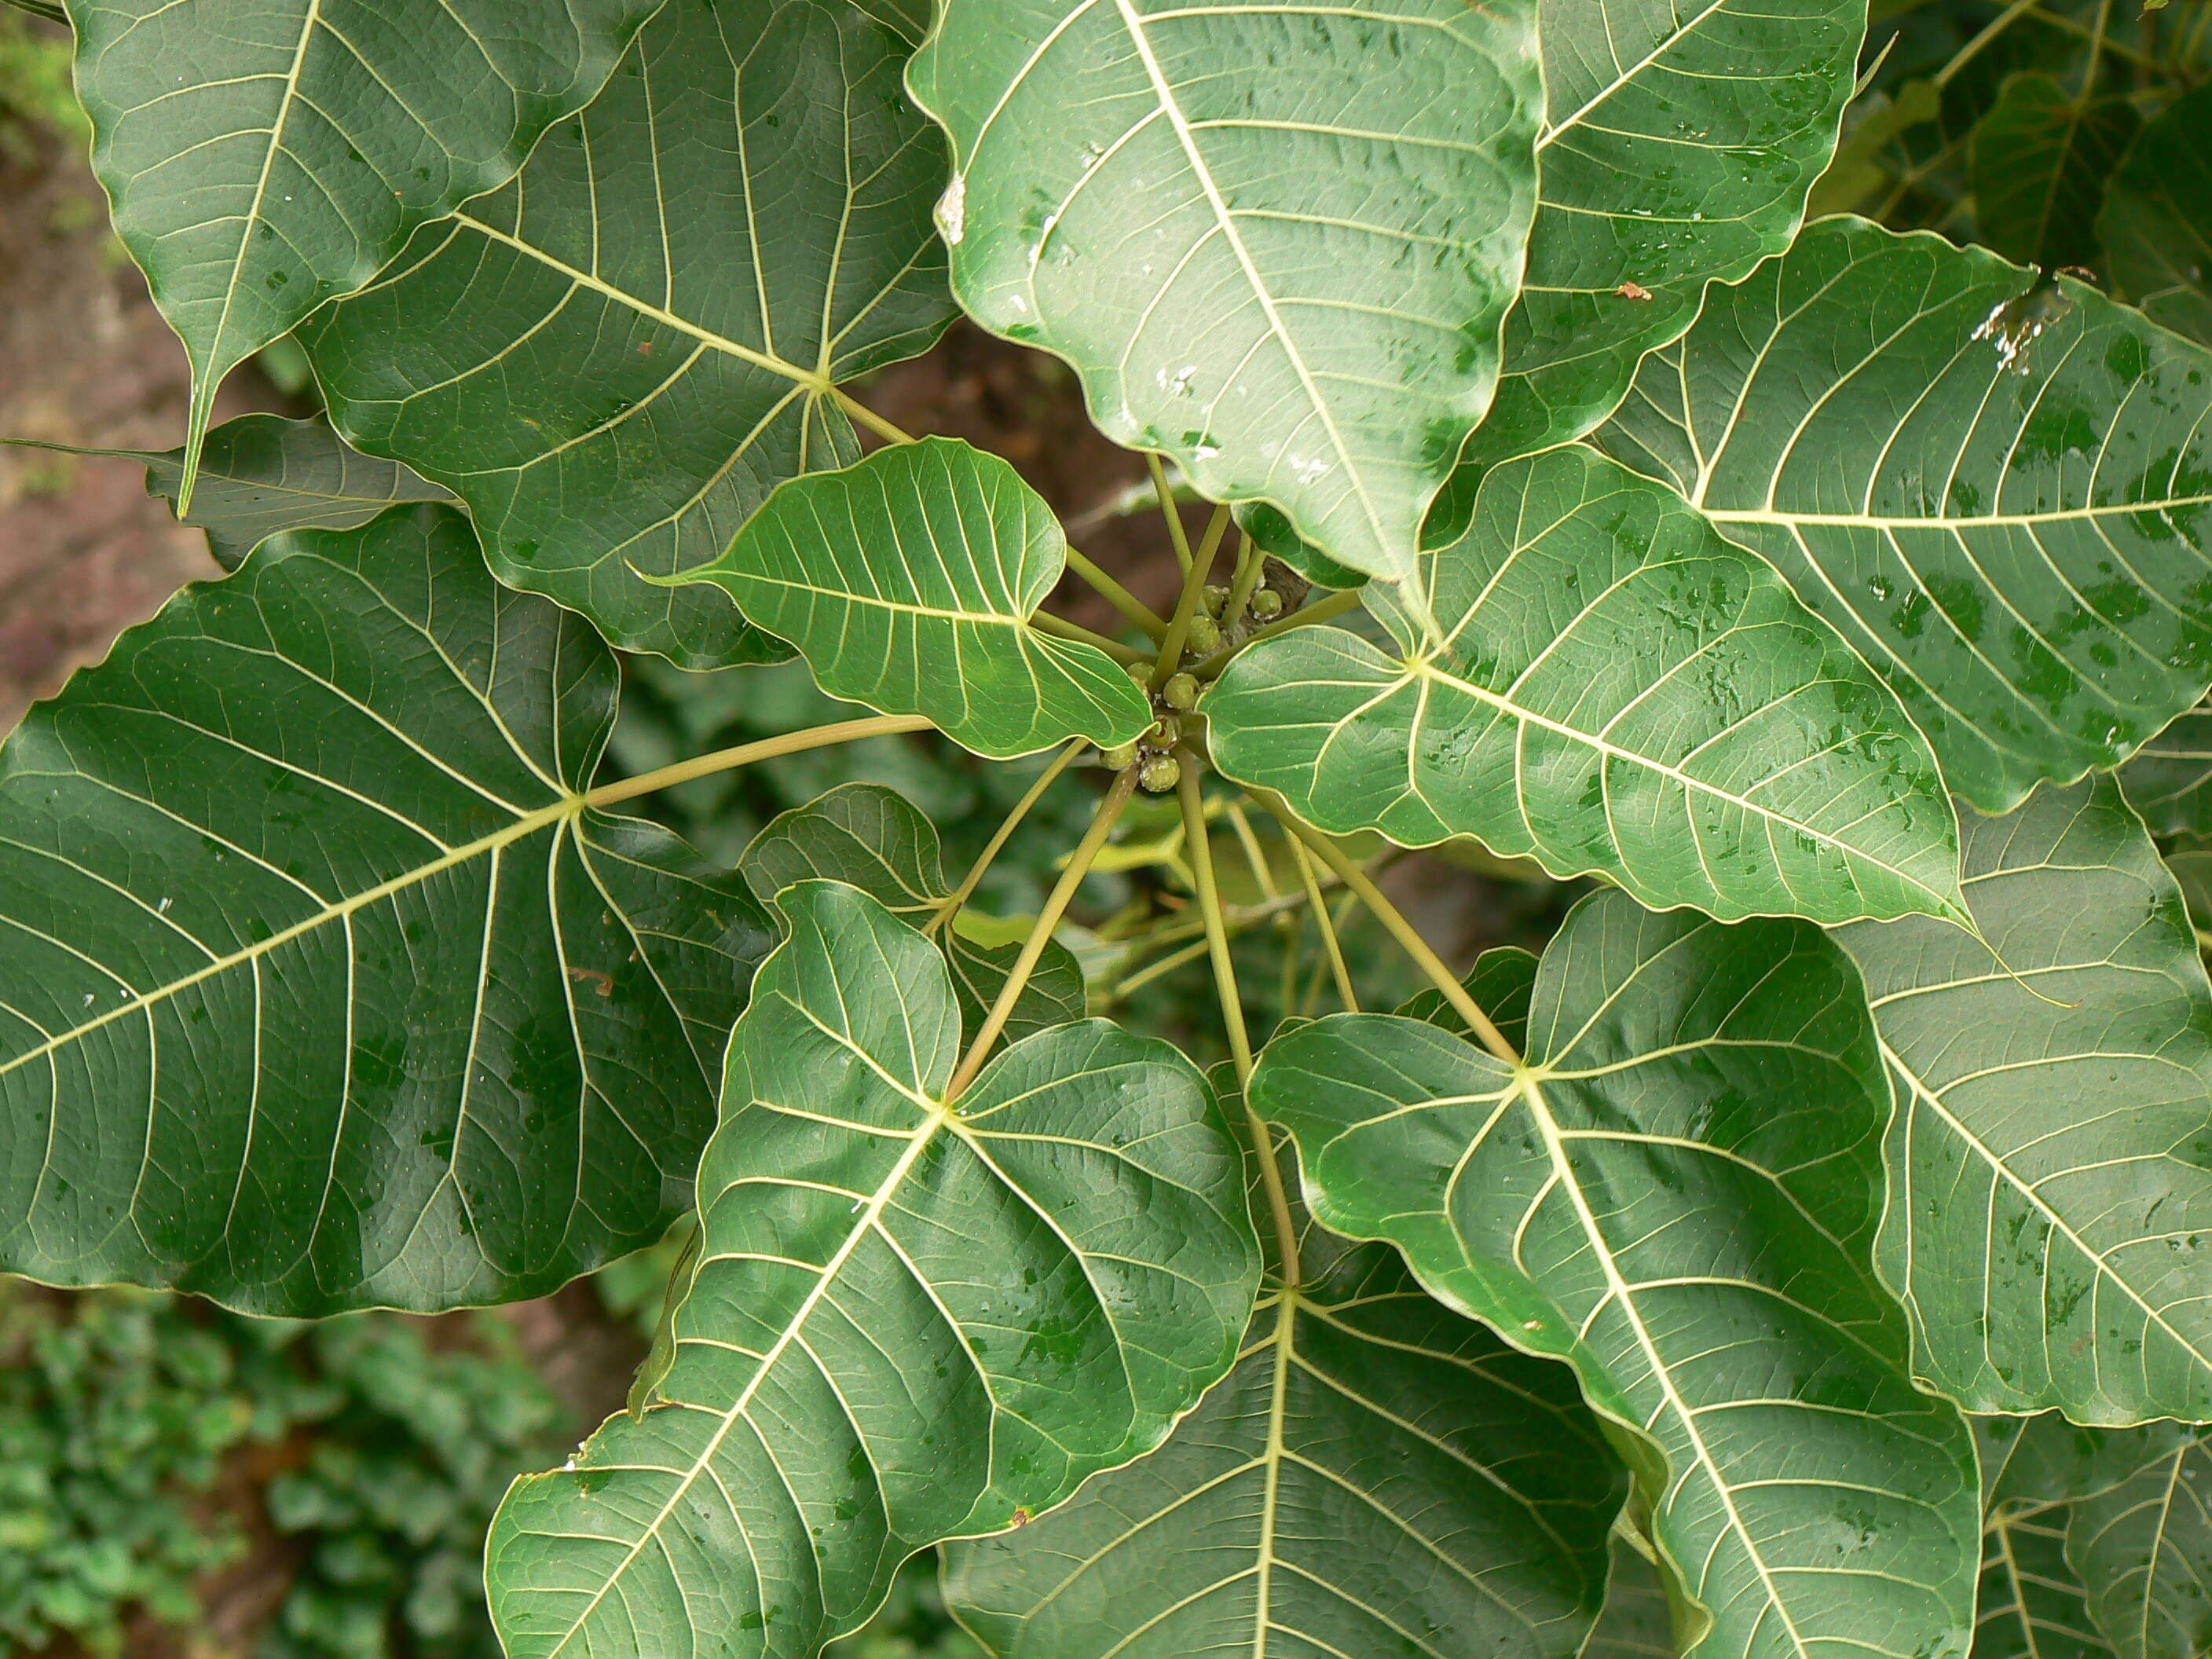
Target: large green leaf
{"x":2143,"y":1542}
{"x":1618,"y":689}
{"x":1677,"y":1194}
{"x":2169,"y":780}
{"x":907,"y":583}
{"x":261,"y":475}
{"x":265,"y":156}
{"x":323,"y":981}
{"x":1996,"y":491}
{"x":2050,"y":1163}
{"x":615,"y":359}
{"x":2039,"y":162}
{"x":1638,"y":1620}
{"x":874,"y":839}
{"x":911,"y":1320}
{"x":2158,"y":214}
{"x":1378,"y":1475}
{"x":1502,"y":982}
{"x":1680,"y":143}
{"x":2032,"y":1605}
{"x":1276,"y":240}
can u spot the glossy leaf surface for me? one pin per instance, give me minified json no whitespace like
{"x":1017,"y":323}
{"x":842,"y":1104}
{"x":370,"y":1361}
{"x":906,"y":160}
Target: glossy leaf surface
{"x":2050,"y":1162}
{"x":1502,"y":981}
{"x":907,"y":583}
{"x":1619,"y":688}
{"x":873,"y":838}
{"x":2157,"y":216}
{"x":1276,"y":240}
{"x":1678,"y":1195}
{"x":1378,"y":1475}
{"x":264,"y":157}
{"x":1996,"y":494}
{"x":910,"y":1320}
{"x":616,"y":358}
{"x":323,"y":982}
{"x":1680,"y":142}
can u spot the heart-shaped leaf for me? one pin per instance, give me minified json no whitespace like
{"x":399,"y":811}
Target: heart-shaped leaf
{"x":912,"y":1319}
{"x":324,"y":983}
{"x":1995,"y":489}
{"x":908,"y":583}
{"x":1680,"y":142}
{"x":1677,"y":1193}
{"x":615,"y":359}
{"x":2141,"y":1541}
{"x":1617,"y":688}
{"x":261,"y":163}
{"x":1276,"y":240}
{"x":1378,"y":1475}
{"x":2158,"y":214}
{"x":2050,"y":1227}
{"x":876,"y":839}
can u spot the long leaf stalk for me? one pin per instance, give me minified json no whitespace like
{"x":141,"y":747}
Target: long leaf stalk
{"x":1410,"y":941}
{"x":960,"y":896}
{"x":1056,"y":906}
{"x":744,"y":754}
{"x":1189,"y":791}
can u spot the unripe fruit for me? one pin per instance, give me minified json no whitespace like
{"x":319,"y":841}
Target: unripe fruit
{"x":1267,"y":603}
{"x":1120,"y":757}
{"x":1160,"y":774}
{"x":1215,"y":599}
{"x":1166,"y":732}
{"x":1180,"y":693}
{"x":1204,"y":635}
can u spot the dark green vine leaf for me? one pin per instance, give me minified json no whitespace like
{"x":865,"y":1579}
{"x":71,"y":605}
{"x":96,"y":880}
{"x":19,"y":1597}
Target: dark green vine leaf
{"x":2169,"y":780}
{"x":2143,"y":1541}
{"x":2039,"y":162}
{"x":1617,"y":689}
{"x":261,"y":163}
{"x":323,"y":983}
{"x":608,"y":363}
{"x":1502,"y":981}
{"x":1679,"y":145}
{"x":907,"y":583}
{"x":1677,"y":1195}
{"x":2158,"y":214}
{"x":1378,"y":1475}
{"x":2050,"y":1162}
{"x":1995,"y":489}
{"x":1266,"y":255}
{"x":874,"y":839}
{"x":911,"y":1320}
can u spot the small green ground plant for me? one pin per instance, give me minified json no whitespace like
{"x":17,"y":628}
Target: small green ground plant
{"x":1810,"y":1251}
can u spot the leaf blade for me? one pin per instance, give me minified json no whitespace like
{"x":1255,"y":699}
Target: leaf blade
{"x":1977,"y":506}
{"x":615,"y":359}
{"x":1612,"y":680}
{"x":1495,"y":1183}
{"x":306,"y":872}
{"x":908,"y":581}
{"x":1251,"y":126}
{"x":919,"y":1419}
{"x":2088,"y":1299}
